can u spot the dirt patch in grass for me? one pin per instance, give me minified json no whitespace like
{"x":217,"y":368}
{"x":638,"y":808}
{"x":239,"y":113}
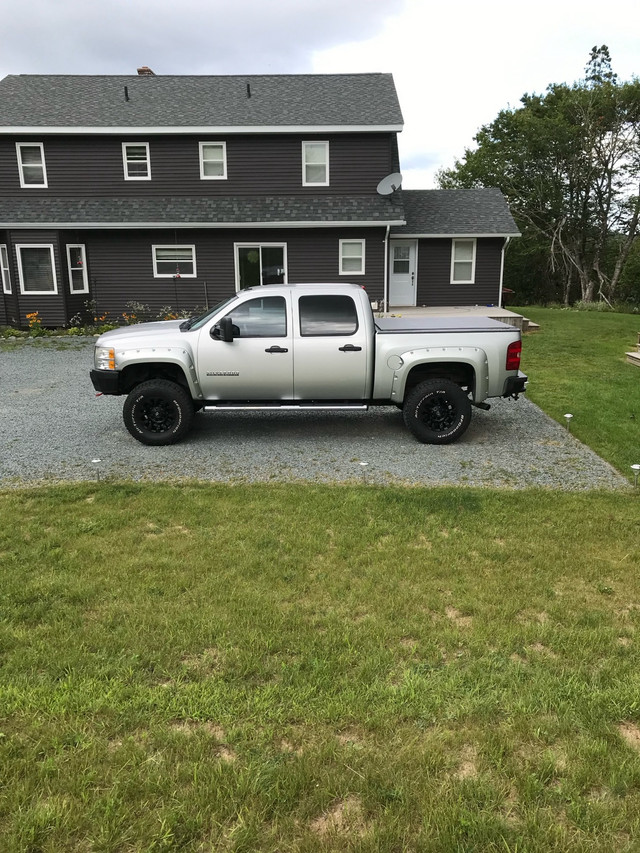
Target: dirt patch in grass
{"x":468,"y":766}
{"x":458,"y":618}
{"x":345,"y":817}
{"x":631,"y":734}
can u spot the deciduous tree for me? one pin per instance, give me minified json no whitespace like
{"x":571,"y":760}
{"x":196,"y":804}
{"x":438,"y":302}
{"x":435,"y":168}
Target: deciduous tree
{"x":568,"y":162}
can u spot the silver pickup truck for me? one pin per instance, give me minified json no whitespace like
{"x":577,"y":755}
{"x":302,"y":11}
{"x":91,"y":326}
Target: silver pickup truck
{"x":307,"y":346}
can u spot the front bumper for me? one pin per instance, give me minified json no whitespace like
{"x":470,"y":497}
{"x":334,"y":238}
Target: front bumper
{"x":515,"y":385}
{"x":106,"y":381}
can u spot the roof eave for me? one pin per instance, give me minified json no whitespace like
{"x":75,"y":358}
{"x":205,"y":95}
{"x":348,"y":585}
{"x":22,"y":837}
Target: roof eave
{"x":366,"y":223}
{"x":181,"y":129}
{"x":455,"y":234}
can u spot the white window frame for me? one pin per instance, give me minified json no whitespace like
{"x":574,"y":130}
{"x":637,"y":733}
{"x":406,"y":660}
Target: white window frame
{"x":125,"y":161}
{"x":223,"y":176}
{"x":49,"y":246}
{"x":305,"y":182}
{"x":258,"y":245}
{"x":85,"y":277}
{"x":343,"y":257}
{"x":454,"y":243}
{"x":23,"y":184}
{"x":4,"y":268}
{"x":157,"y":274}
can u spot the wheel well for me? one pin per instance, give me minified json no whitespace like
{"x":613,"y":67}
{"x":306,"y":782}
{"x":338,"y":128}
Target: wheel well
{"x":462,"y":374}
{"x":134,"y":374}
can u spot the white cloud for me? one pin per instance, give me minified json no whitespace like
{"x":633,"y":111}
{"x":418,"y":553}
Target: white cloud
{"x":457,"y":65}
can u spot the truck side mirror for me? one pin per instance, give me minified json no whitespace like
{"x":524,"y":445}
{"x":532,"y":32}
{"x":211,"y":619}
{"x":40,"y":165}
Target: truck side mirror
{"x":223,"y":331}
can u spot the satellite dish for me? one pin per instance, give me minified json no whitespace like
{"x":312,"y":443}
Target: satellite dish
{"x":390,"y":184}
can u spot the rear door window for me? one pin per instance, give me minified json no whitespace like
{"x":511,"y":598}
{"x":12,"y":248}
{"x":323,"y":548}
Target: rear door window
{"x":327,"y":315}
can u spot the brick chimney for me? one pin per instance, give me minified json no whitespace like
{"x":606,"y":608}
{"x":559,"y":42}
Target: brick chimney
{"x":145,"y":71}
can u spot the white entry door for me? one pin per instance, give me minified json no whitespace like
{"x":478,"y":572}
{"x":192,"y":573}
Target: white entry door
{"x":402,"y":272}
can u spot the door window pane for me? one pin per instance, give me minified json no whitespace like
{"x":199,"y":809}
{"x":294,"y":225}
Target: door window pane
{"x":272,"y":265}
{"x":260,"y":318}
{"x":327,"y":315}
{"x":261,"y":265}
{"x":249,"y":266}
{"x":401,"y":259}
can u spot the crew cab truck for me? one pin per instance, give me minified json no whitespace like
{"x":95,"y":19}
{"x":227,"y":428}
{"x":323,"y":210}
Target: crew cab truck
{"x":307,"y":346}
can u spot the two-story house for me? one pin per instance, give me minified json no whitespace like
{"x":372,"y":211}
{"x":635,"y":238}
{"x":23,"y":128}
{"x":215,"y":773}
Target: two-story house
{"x":178,"y":190}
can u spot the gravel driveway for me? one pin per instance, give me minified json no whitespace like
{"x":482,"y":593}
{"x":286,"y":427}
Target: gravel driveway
{"x":53,"y":427}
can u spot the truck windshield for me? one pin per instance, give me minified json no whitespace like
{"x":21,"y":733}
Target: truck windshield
{"x":198,"y":322}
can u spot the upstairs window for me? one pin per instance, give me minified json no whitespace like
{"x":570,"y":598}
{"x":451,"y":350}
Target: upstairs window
{"x":463,"y":261}
{"x":174,"y":261}
{"x":77,"y":266}
{"x":315,"y":164}
{"x":351,"y":257}
{"x":213,"y":161}
{"x":136,"y":161}
{"x":4,"y":269}
{"x":31,"y":165}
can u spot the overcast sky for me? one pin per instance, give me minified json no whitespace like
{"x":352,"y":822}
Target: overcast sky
{"x":455,"y":64}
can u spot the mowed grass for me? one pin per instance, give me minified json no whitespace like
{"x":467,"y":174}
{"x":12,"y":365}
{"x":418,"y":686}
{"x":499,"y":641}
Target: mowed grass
{"x":266,"y":668}
{"x":576,"y":364}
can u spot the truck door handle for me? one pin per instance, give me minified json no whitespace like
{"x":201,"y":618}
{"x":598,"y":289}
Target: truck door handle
{"x":277,"y":349}
{"x":350,"y":348}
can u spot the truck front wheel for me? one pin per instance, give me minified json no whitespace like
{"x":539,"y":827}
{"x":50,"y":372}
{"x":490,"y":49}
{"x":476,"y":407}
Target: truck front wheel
{"x":158,"y":412}
{"x":437,"y":411}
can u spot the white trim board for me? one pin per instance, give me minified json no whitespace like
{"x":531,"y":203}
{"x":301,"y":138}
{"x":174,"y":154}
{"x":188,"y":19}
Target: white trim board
{"x":462,"y":235}
{"x":132,"y":226}
{"x":141,"y":130}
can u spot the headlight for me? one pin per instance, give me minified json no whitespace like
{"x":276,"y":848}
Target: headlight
{"x":105,"y":358}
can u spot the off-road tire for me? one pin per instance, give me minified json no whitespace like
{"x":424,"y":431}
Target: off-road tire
{"x":158,"y":412}
{"x":437,"y":411}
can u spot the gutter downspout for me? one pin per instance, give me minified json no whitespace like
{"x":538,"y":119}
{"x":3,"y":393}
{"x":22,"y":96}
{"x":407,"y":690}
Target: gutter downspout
{"x":385,"y":306}
{"x":504,"y":249}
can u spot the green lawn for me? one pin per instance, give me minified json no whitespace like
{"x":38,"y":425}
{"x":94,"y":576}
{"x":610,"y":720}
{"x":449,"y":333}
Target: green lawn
{"x":576,"y":364}
{"x":280,"y":668}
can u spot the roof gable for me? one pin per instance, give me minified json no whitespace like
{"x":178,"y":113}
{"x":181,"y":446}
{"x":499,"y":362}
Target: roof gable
{"x":245,"y":102}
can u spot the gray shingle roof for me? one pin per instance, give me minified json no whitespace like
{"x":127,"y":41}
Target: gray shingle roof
{"x":198,"y":211}
{"x":454,"y":212}
{"x":300,"y":100}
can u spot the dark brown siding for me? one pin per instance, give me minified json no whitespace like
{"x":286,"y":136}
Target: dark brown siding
{"x":52,"y":309}
{"x":434,"y":274}
{"x":121,"y":267}
{"x":256,"y":165}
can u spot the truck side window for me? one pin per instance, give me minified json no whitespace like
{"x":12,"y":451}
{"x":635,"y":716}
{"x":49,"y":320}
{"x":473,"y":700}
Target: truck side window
{"x":327,"y":315}
{"x":260,"y":318}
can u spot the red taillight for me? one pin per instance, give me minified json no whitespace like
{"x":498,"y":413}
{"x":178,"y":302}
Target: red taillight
{"x":513,"y":355}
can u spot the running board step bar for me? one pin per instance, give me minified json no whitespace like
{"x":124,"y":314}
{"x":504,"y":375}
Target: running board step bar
{"x":225,"y":407}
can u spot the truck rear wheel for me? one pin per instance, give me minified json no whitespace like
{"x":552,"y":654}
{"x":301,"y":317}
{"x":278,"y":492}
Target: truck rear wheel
{"x":158,"y":412}
{"x":437,"y":411}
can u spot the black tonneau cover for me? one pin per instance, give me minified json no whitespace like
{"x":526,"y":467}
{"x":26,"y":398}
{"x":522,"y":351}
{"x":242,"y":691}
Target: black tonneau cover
{"x":432,"y":325}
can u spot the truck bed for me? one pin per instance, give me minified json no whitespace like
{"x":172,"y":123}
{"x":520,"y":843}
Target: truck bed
{"x":433,"y":325}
